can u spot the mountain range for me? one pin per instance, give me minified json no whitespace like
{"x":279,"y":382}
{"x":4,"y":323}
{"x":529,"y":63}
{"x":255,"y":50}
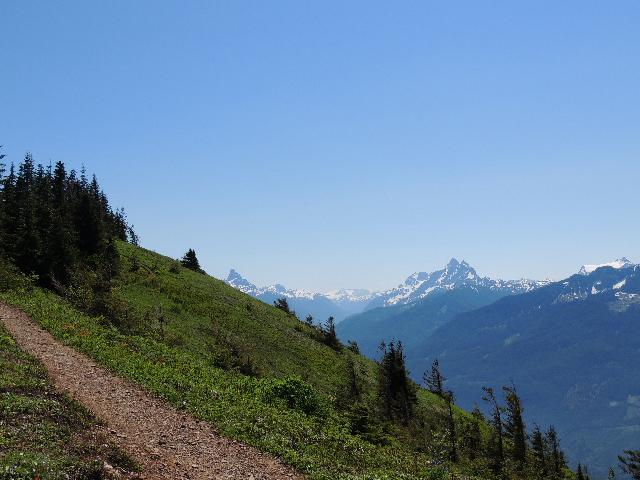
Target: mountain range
{"x":570,"y":346}
{"x":572,"y":349}
{"x":338,"y":304}
{"x":425,"y":301}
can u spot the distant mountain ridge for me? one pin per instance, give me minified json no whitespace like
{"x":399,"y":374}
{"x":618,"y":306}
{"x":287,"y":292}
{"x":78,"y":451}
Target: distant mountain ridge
{"x":337,"y":303}
{"x":424,"y":302}
{"x":571,"y":347}
{"x":454,"y":275}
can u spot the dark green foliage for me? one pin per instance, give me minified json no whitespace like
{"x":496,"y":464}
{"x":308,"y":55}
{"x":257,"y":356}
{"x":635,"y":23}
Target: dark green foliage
{"x":557,"y":461}
{"x":353,"y":346}
{"x":630,"y":463}
{"x":539,"y":452}
{"x":397,"y":392}
{"x":451,"y":427}
{"x":296,"y":393}
{"x":283,"y":304}
{"x":351,"y":392}
{"x":329,"y":334}
{"x":190,"y":261}
{"x":514,"y":428}
{"x":579,"y":473}
{"x":471,"y":435}
{"x":434,"y":381}
{"x":611,"y":474}
{"x":496,"y":447}
{"x":62,"y":230}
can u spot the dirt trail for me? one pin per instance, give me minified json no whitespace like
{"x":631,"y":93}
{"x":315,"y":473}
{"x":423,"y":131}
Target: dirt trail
{"x":167,"y":443}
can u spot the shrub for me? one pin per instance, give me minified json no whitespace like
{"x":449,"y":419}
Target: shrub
{"x":12,"y":278}
{"x":295,"y":392}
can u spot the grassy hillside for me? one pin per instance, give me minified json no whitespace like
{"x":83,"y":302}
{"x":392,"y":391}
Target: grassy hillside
{"x":190,"y":338}
{"x":44,"y":434}
{"x":206,"y":317}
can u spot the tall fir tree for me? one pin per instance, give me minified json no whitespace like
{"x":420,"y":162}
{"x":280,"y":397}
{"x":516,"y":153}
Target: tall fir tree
{"x":396,"y":391}
{"x":451,"y":426}
{"x":329,"y":334}
{"x":557,"y":462}
{"x":496,"y":450}
{"x":434,"y":381}
{"x":514,"y":427}
{"x":539,"y":451}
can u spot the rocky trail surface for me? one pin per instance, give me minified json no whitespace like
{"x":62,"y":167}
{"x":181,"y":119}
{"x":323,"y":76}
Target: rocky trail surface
{"x":166,"y":443}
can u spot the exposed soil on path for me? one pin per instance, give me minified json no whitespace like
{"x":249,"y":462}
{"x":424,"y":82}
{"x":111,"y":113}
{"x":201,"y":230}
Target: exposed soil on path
{"x":166,"y":443}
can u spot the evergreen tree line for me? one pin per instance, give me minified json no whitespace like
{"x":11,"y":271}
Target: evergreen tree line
{"x":507,"y":449}
{"x":58,"y":226}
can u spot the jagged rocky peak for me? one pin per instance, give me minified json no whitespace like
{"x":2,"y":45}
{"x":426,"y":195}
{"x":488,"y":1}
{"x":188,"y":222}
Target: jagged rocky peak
{"x":238,"y":281}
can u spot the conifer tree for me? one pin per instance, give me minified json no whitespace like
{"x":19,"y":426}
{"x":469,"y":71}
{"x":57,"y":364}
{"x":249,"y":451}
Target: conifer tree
{"x":59,"y":227}
{"x":451,"y":426}
{"x":579,"y":473}
{"x":330,"y":336}
{"x":514,"y":428}
{"x":396,"y":391}
{"x":190,"y":261}
{"x":556,"y":457}
{"x":539,"y":451}
{"x":434,"y":381}
{"x":630,"y":463}
{"x":282,"y":304}
{"x":353,"y":346}
{"x":496,"y":451}
{"x":611,"y":474}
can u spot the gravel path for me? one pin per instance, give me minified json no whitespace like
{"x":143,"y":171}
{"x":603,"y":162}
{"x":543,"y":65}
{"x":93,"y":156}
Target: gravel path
{"x":167,"y":443}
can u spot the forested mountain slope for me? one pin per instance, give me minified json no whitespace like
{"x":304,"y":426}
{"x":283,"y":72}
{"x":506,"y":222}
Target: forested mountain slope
{"x":571,"y":347}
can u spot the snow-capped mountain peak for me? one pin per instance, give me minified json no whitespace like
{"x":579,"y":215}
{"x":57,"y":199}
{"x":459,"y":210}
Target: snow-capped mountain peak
{"x":455,"y":274}
{"x":618,"y":263}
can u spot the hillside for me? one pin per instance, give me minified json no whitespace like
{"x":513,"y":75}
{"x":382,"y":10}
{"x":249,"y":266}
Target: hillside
{"x":570,"y":347}
{"x":209,"y":336}
{"x":258,"y":374}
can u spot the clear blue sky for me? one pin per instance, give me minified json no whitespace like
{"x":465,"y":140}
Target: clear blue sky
{"x":342,"y":144}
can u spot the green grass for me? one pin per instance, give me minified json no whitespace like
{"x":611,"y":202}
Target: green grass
{"x":44,"y":433}
{"x":194,"y":360}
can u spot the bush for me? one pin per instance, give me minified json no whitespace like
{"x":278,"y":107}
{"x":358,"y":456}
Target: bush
{"x":295,"y":392}
{"x":11,"y":278}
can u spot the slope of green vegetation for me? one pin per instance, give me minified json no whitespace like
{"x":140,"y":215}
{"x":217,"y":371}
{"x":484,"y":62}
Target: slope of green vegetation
{"x":218,"y":324}
{"x":255,"y":371}
{"x":44,"y":434}
{"x":187,"y":337}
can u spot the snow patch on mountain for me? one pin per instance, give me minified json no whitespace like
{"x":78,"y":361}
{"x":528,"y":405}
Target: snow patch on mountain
{"x":597,"y":282}
{"x":617,"y":264}
{"x":339,"y":296}
{"x":455,"y":274}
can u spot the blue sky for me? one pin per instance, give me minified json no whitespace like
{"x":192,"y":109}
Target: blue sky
{"x":342,"y":144}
